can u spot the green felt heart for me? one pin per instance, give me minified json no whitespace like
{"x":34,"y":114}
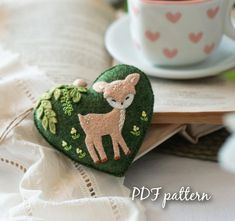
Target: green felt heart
{"x":102,"y":127}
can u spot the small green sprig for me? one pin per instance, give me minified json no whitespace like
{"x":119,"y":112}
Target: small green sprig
{"x":144,"y":116}
{"x":66,"y":146}
{"x":135,"y":131}
{"x":68,"y":96}
{"x":80,"y":153}
{"x":74,"y":134}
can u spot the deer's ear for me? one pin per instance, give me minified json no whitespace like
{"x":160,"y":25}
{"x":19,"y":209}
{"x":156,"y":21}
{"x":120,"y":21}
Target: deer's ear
{"x":133,"y":78}
{"x":100,"y":86}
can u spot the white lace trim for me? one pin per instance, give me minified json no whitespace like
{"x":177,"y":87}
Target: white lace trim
{"x":19,"y":166}
{"x":27,"y":207}
{"x":115,"y":209}
{"x":14,"y":164}
{"x":90,"y":187}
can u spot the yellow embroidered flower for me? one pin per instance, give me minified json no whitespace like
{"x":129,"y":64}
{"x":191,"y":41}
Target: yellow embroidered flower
{"x":73,"y":131}
{"x":74,"y":134}
{"x":80,"y":153}
{"x":135,"y":131}
{"x":78,"y":150}
{"x":66,"y":146}
{"x":135,"y":128}
{"x":64,"y":143}
{"x":144,"y":116}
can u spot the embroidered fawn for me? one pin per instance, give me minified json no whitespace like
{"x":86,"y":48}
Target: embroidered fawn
{"x":119,"y":95}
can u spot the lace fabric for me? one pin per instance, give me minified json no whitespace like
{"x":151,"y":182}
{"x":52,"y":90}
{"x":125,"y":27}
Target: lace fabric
{"x":39,"y":183}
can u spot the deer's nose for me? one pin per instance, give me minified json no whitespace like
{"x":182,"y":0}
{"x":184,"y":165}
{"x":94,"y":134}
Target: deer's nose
{"x":121,"y":103}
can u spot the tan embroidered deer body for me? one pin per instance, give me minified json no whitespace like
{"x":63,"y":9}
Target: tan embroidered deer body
{"x":120,"y":95}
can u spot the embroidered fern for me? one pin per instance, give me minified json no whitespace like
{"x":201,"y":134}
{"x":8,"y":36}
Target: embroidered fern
{"x":67,"y":95}
{"x":45,"y":113}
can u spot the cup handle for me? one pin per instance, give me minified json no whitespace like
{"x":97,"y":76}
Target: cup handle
{"x":229,"y":28}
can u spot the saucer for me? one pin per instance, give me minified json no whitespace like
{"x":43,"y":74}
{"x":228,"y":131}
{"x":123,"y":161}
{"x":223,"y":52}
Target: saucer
{"x":120,"y":46}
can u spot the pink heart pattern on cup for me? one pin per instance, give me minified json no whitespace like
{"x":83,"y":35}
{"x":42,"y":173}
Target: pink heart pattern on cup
{"x":170,"y":53}
{"x":173,"y":17}
{"x":209,"y":48}
{"x":195,"y":37}
{"x":152,"y":36}
{"x":212,"y":12}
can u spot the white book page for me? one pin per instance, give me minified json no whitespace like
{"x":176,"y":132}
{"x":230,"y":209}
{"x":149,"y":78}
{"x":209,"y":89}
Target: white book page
{"x":65,"y":38}
{"x":214,"y":94}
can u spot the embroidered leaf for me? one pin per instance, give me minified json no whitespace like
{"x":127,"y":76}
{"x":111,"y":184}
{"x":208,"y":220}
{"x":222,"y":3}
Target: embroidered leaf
{"x":67,"y":148}
{"x":45,"y":122}
{"x":57,"y":93}
{"x":77,"y":97}
{"x":50,"y":113}
{"x":82,"y":89}
{"x":46,"y":104}
{"x":75,"y":136}
{"x":39,"y":112}
{"x":46,"y":96}
{"x":53,"y":119}
{"x":144,"y":118}
{"x":132,"y":132}
{"x":82,"y":155}
{"x":52,"y":127}
{"x":135,"y":133}
{"x":73,"y":92}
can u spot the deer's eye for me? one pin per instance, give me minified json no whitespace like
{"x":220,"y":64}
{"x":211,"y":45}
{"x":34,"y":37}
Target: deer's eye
{"x":127,"y":97}
{"x":113,"y":100}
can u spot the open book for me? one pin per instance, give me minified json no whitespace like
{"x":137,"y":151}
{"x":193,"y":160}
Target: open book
{"x":65,"y":38}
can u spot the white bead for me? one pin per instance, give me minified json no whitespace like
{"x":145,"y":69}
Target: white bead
{"x":80,"y":83}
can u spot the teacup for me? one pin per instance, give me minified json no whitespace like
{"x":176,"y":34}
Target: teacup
{"x":179,"y":32}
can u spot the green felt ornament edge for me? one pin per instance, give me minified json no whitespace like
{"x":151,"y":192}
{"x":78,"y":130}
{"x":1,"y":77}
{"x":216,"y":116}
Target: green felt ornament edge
{"x":118,"y":174}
